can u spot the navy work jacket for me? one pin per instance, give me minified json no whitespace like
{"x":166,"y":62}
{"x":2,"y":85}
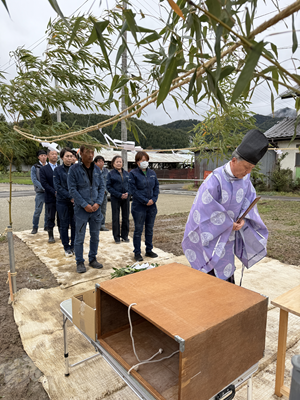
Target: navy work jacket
{"x":80,"y":187}
{"x":143,"y":187}
{"x":115,"y":185}
{"x":60,"y":182}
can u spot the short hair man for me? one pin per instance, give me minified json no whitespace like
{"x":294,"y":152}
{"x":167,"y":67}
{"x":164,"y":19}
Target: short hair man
{"x":86,"y":187}
{"x":64,"y":202}
{"x":39,"y":191}
{"x":212,"y":235}
{"x":50,"y":193}
{"x":99,"y":161}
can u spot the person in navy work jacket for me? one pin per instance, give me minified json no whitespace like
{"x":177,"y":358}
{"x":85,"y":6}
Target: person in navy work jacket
{"x":46,"y":177}
{"x":117,"y":185}
{"x":86,"y":187}
{"x":39,"y":190}
{"x":144,"y":187}
{"x":64,"y":202}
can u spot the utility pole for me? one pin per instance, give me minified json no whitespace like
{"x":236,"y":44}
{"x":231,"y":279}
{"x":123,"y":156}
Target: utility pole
{"x":124,"y":71}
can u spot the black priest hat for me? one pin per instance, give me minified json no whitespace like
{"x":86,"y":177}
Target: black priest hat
{"x":253,"y":146}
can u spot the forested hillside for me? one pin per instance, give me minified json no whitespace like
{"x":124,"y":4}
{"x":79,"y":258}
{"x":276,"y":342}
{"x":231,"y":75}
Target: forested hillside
{"x":156,"y":137}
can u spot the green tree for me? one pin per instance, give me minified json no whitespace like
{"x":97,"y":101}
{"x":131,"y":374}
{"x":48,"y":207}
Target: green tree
{"x":222,"y":130}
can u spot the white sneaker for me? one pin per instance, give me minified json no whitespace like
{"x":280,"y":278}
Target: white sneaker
{"x":68,"y":253}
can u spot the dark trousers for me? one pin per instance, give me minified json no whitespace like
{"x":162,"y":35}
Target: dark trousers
{"x":65,"y":211}
{"x":116,"y":205}
{"x":230,"y":279}
{"x":143,"y":215}
{"x":51,"y":211}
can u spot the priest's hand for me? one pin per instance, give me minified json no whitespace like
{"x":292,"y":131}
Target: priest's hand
{"x":238,"y":226}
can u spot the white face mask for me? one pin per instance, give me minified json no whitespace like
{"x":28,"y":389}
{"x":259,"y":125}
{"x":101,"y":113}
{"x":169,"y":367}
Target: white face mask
{"x":144,"y":164}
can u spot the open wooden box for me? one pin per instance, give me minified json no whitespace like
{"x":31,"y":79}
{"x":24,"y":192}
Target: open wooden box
{"x":218,"y":327}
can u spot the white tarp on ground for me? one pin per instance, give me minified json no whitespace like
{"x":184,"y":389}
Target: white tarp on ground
{"x":110,"y":255}
{"x":39,"y":319}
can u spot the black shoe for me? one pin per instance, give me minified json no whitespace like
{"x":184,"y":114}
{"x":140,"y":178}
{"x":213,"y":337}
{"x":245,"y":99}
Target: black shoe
{"x":34,"y":231}
{"x":46,"y":229}
{"x":117,"y":241}
{"x":81,"y":268}
{"x":95,"y":264}
{"x":151,"y":254}
{"x":51,"y":237}
{"x":125,"y":240}
{"x":103,"y":228}
{"x":138,"y":257}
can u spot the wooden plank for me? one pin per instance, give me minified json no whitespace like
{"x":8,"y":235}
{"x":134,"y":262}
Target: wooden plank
{"x":179,"y":300}
{"x":280,"y":366}
{"x":285,"y":391}
{"x":289,"y":301}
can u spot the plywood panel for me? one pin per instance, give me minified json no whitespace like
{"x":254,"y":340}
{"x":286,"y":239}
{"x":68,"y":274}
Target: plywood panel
{"x":289,"y":301}
{"x":179,"y":300}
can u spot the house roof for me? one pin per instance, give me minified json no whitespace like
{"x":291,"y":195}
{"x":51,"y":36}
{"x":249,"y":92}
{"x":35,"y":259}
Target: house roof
{"x":284,"y":129}
{"x":290,"y":93}
{"x":154,"y":157}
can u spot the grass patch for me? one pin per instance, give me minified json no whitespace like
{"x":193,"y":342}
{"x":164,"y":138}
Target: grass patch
{"x":18,"y":180}
{"x":287,"y":194}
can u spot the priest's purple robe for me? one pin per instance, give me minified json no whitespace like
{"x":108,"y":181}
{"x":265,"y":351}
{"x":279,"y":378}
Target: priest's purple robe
{"x":209,"y":241}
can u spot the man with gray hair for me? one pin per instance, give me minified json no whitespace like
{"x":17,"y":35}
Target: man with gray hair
{"x":213,"y":233}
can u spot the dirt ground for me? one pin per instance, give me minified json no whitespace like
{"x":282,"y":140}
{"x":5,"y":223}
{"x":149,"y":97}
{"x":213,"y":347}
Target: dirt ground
{"x":16,"y":368}
{"x":280,"y":217}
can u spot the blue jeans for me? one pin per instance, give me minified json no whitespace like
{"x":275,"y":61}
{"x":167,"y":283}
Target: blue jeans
{"x":39,"y":202}
{"x":103,"y":210}
{"x":65,"y":212}
{"x":143,"y":215}
{"x":81,"y":219}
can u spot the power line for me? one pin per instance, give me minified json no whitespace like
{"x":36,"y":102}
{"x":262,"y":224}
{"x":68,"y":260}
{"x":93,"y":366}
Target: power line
{"x":41,"y":40}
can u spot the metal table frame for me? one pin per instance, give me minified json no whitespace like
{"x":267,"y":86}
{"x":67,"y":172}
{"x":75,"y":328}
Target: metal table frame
{"x":136,"y":387}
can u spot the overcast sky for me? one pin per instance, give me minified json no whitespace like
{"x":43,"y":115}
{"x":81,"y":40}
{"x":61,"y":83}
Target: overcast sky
{"x":28,"y":20}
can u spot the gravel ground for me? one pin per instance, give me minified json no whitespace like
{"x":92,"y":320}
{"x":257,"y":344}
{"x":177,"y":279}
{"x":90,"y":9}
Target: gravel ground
{"x":23,"y":208}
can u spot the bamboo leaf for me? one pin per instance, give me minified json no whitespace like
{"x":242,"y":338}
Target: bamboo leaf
{"x":247,"y":72}
{"x":248,"y":22}
{"x":75,"y":29}
{"x":120,"y":52}
{"x":99,"y":27}
{"x":167,"y":80}
{"x":275,"y":76}
{"x":5,"y":5}
{"x":56,"y":8}
{"x":295,"y":41}
{"x":129,"y":16}
{"x":93,"y":37}
{"x":272,"y":103}
{"x":176,"y":8}
{"x":226,"y":71}
{"x":274,"y":48}
{"x":191,"y":85}
{"x":150,"y":38}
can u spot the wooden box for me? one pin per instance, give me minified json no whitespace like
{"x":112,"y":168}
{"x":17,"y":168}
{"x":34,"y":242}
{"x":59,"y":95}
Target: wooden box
{"x":218,"y":327}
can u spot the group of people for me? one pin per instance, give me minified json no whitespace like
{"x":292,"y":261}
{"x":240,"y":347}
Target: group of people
{"x":76,"y":193}
{"x":214,"y":233}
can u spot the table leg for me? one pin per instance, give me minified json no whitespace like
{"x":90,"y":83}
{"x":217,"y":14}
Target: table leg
{"x":250,"y":389}
{"x":66,"y":354}
{"x":282,"y":337}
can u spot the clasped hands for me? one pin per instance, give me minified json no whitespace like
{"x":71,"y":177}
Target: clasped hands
{"x":238,"y":226}
{"x":91,"y":209}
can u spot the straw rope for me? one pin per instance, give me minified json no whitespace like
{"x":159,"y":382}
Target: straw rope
{"x":177,"y":82}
